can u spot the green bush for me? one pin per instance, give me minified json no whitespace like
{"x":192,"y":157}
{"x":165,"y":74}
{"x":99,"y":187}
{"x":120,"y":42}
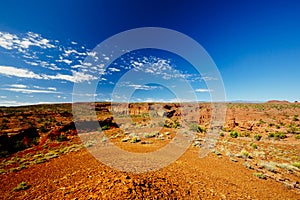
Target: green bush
{"x":21,"y":186}
{"x":259,"y":175}
{"x":257,"y":137}
{"x":293,"y":130}
{"x":277,"y":135}
{"x":176,"y":124}
{"x":254,"y":146}
{"x":246,"y":134}
{"x":135,"y":139}
{"x":245,"y":154}
{"x":296,"y":164}
{"x":196,"y":128}
{"x":105,"y":127}
{"x":61,"y":138}
{"x":261,"y":122}
{"x":234,"y":134}
{"x":295,"y":118}
{"x":150,"y":135}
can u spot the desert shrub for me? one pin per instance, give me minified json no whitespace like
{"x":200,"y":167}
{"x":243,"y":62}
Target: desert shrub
{"x":221,"y":134}
{"x":281,"y":123}
{"x":296,"y":164}
{"x":297,"y":136}
{"x":150,"y":135}
{"x":216,"y":152}
{"x":285,"y":166}
{"x":135,"y":139}
{"x":61,"y":138}
{"x":257,"y":137}
{"x":176,"y":124}
{"x":295,"y":118}
{"x":234,"y":134}
{"x":161,"y":124}
{"x":105,"y":127}
{"x":248,"y":165}
{"x":293,"y":129}
{"x":271,"y":124}
{"x":277,"y":135}
{"x":260,"y":175}
{"x":269,"y":166}
{"x":247,"y":134}
{"x":261,"y":122}
{"x":254,"y":146}
{"x":196,"y":128}
{"x":245,"y":154}
{"x":21,"y":186}
{"x":168,"y":124}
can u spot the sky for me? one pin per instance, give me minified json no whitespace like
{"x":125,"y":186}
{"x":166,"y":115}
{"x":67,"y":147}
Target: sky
{"x":44,"y":46}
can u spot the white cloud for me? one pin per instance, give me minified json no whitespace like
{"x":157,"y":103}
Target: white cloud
{"x":28,"y":91}
{"x":114,"y":69}
{"x":60,"y":77}
{"x":76,"y":77}
{"x":206,"y":78}
{"x":68,"y":52}
{"x":202,"y":90}
{"x":64,"y":61}
{"x":12,"y":41}
{"x":31,"y":63}
{"x":6,"y":40}
{"x":142,"y":87}
{"x":51,"y":88}
{"x":13,"y":71}
{"x":18,"y":86}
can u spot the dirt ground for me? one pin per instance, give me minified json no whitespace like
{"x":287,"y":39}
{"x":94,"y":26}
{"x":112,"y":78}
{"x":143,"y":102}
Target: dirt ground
{"x":240,"y":166}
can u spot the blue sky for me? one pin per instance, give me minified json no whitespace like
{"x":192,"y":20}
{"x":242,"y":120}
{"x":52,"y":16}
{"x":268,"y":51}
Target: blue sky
{"x":255,"y":45}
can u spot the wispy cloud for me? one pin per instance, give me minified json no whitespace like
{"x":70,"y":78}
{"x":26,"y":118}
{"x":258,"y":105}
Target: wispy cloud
{"x":142,"y":87}
{"x":12,"y":41}
{"x":76,"y":77}
{"x":28,"y":91}
{"x":203,"y":90}
{"x":18,"y":86}
{"x":18,"y":72}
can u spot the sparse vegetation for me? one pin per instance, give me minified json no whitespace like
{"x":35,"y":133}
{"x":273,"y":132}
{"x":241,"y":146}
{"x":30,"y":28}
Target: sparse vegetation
{"x":257,"y":137}
{"x":21,"y":186}
{"x":245,"y":154}
{"x":197,"y":128}
{"x":135,"y":139}
{"x":277,"y":135}
{"x":276,"y":160}
{"x":295,"y":118}
{"x":296,"y":164}
{"x":234,"y":134}
{"x":270,"y":166}
{"x":260,"y":175}
{"x":150,"y":135}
